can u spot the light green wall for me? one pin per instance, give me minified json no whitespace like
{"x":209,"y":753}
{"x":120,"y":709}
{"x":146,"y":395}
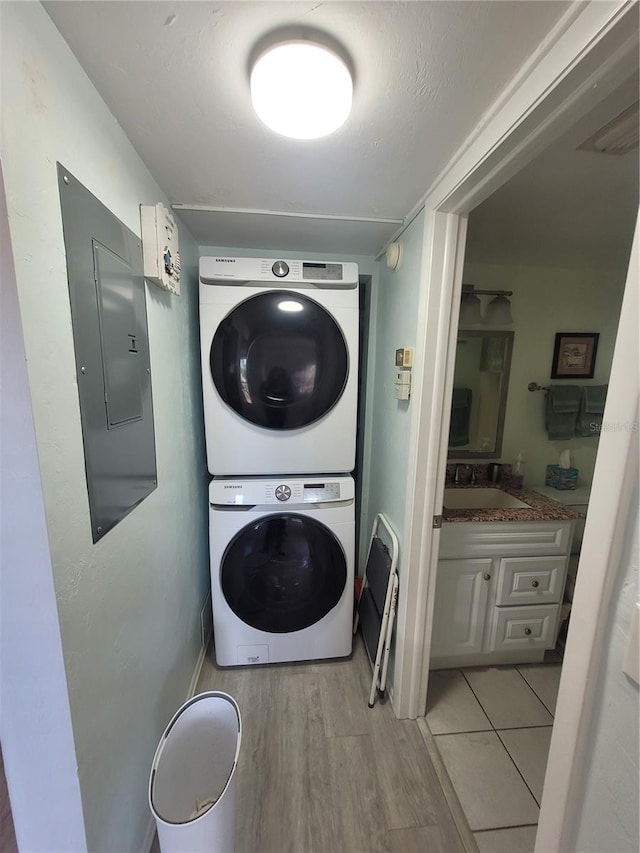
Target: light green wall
{"x":396,"y":322}
{"x":546,"y":301}
{"x":390,"y":419}
{"x":129,"y":605}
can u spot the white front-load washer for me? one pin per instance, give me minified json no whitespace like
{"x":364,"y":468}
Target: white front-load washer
{"x":282,"y":568}
{"x":279,"y":343}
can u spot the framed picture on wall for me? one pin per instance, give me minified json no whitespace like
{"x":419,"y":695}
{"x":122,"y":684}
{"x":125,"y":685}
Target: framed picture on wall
{"x":574,"y":355}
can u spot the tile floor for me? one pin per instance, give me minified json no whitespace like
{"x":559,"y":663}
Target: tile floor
{"x":8,"y":843}
{"x":492,"y":727}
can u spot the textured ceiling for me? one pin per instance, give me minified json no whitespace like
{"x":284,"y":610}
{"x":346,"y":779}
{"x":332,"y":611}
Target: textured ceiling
{"x":567,"y":207}
{"x":175,"y":75}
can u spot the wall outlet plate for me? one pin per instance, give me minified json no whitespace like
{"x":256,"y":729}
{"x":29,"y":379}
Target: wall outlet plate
{"x":403,"y":377}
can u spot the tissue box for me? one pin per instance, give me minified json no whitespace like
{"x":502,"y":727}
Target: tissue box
{"x":561,"y":478}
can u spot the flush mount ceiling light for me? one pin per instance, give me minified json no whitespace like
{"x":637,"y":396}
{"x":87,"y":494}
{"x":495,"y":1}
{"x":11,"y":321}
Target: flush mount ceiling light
{"x":301,"y":89}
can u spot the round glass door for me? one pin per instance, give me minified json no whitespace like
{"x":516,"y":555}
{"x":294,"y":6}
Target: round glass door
{"x":279,"y":360}
{"x":283,"y":573}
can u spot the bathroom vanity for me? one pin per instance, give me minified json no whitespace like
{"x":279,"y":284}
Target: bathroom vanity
{"x":501,"y":577}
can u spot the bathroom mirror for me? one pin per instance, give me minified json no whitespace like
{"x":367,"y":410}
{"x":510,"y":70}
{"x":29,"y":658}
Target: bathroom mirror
{"x":480,"y":386}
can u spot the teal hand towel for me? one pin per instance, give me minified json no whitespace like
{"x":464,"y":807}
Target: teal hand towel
{"x":564,"y":399}
{"x":563,"y":403}
{"x":591,"y":410}
{"x":594,"y":398}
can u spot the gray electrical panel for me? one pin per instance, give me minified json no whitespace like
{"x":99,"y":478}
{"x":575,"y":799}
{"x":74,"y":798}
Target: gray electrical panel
{"x":109,"y":318}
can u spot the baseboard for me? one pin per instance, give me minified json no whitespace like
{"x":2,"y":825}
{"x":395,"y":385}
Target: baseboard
{"x":150,"y":834}
{"x":196,"y":672}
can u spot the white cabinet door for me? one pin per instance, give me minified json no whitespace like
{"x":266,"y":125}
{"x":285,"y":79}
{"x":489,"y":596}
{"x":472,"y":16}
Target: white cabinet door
{"x":462,"y":589}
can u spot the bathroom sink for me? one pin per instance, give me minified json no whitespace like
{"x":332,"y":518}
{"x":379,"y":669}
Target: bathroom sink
{"x":481,"y":499}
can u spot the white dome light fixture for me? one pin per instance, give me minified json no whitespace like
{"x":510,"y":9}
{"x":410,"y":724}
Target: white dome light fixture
{"x":301,"y":89}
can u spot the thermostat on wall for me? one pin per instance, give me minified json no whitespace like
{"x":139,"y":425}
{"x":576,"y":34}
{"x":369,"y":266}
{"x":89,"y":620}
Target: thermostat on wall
{"x":404,"y":357}
{"x":161,"y":256}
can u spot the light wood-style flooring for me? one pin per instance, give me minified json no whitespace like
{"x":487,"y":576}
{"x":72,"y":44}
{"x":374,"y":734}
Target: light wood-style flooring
{"x":320,"y":772}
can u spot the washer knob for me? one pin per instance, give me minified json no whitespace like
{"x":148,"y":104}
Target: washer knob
{"x":283,"y":493}
{"x":280,"y":269}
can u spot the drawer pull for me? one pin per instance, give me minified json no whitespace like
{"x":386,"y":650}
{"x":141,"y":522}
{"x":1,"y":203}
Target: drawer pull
{"x":535,"y":584}
{"x":486,"y":576}
{"x":527,"y":631}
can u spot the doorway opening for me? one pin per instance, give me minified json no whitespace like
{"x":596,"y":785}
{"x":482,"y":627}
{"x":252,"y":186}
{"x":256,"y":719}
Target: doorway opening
{"x":557,"y":237}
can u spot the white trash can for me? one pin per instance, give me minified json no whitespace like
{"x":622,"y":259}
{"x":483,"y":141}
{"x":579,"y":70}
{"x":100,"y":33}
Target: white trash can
{"x":193,"y":776}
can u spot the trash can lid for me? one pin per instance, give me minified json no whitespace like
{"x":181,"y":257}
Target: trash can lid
{"x":195,"y":758}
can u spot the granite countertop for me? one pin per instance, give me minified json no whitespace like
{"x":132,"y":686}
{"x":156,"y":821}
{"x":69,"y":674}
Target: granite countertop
{"x":541,"y":508}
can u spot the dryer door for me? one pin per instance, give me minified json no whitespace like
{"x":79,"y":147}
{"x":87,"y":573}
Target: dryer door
{"x":283,"y":573}
{"x":279,"y":360}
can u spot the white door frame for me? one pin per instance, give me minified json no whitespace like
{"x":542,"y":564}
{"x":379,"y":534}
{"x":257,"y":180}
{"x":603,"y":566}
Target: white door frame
{"x":591,"y":52}
{"x":583,"y":60}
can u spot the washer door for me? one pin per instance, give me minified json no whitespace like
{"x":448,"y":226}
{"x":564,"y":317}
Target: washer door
{"x":283,"y":573}
{"x":279,"y":360}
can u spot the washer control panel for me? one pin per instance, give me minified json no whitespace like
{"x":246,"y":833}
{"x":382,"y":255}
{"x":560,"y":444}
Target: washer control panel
{"x":307,"y":493}
{"x":260,"y":491}
{"x":275,"y":493}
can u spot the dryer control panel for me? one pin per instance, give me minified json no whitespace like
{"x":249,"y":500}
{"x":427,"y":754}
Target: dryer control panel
{"x":280,"y":492}
{"x":278,"y":271}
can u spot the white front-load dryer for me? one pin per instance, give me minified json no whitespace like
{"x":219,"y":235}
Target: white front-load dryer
{"x":282,"y":568}
{"x":279,"y":343}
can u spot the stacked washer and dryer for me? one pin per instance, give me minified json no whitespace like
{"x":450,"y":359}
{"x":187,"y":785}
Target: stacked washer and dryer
{"x":279,"y":345}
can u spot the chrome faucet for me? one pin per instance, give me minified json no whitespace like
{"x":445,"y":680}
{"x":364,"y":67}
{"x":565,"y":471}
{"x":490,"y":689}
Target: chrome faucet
{"x":469,"y":472}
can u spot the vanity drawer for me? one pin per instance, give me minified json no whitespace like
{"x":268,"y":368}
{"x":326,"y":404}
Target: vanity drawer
{"x":514,"y":628}
{"x":505,"y":539}
{"x":531,"y":580}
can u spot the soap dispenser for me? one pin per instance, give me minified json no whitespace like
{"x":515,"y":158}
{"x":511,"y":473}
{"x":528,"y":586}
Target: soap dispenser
{"x":517,"y":472}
